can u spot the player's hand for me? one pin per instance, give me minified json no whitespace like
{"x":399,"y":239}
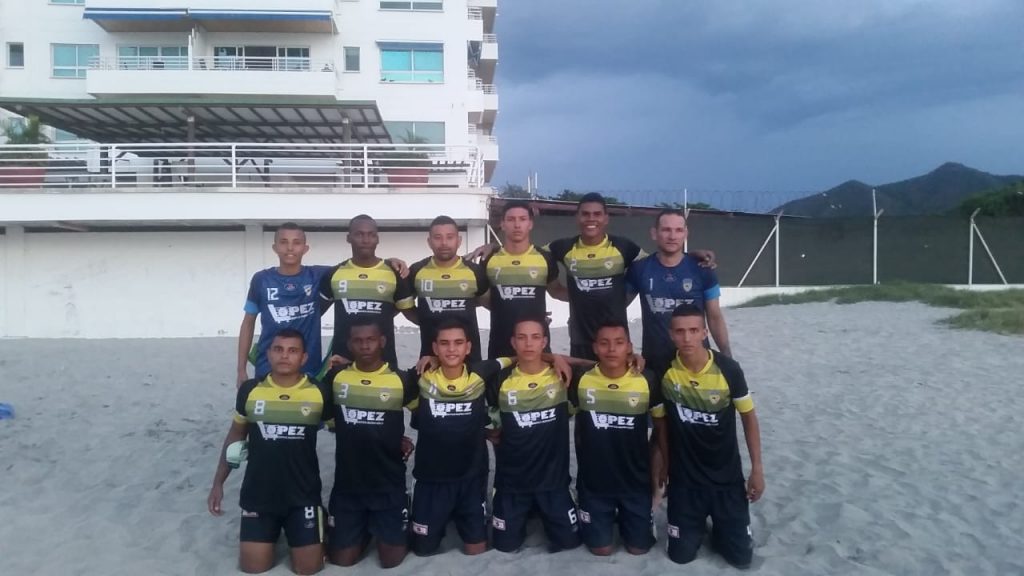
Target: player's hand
{"x":242,"y":377}
{"x":426,"y":364}
{"x":481,"y":253}
{"x":407,"y":447}
{"x":637,"y":363}
{"x":755,"y":485}
{"x":493,"y":435}
{"x":337,"y":361}
{"x":706,"y":257}
{"x":399,"y":266}
{"x":214,"y":499}
{"x":562,"y":368}
{"x":547,"y":317}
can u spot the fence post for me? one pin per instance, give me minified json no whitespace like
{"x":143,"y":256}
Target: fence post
{"x":234,"y":165}
{"x":970,"y":249}
{"x":112,"y":158}
{"x":366,"y":166}
{"x":874,"y":238}
{"x":778,"y":231}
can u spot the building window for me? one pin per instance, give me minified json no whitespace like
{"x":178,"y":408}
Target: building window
{"x":292,"y":58}
{"x":411,"y":63}
{"x":411,"y":5}
{"x":15,"y":55}
{"x":262,"y":58}
{"x":351,"y":59}
{"x":72,"y":60}
{"x":152,"y":57}
{"x":416,"y":132}
{"x":68,"y":2}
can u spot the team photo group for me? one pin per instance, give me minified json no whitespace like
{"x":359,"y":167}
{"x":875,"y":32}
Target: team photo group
{"x":652,"y":423}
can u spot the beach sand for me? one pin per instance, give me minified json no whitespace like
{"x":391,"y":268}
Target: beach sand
{"x":891,"y":446}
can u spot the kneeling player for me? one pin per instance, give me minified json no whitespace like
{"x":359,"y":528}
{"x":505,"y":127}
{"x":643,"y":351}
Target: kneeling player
{"x":451,"y":462}
{"x":613,"y":481}
{"x":532,"y":450}
{"x":369,"y":495}
{"x":696,"y":430}
{"x":280,"y":415}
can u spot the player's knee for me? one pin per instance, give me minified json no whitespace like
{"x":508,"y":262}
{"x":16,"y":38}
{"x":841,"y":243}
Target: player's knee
{"x":637,"y":551}
{"x":254,"y":566}
{"x":601,"y":551}
{"x":425,"y":546}
{"x":683,"y":552}
{"x":391,"y":555}
{"x":474,"y":548}
{"x":345,"y":557}
{"x":307,"y":567}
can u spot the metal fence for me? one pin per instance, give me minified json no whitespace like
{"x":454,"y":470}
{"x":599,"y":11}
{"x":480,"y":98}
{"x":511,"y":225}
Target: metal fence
{"x":765,"y":250}
{"x":239,"y":164}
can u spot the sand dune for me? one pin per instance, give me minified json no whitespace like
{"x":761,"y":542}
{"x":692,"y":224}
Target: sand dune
{"x":891,"y":446}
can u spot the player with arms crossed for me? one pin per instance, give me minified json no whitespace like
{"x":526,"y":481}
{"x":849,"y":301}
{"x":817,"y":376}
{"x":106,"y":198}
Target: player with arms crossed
{"x":696,"y":430}
{"x":279,"y":415}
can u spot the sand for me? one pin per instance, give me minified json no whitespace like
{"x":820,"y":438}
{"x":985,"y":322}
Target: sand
{"x":891,"y":446}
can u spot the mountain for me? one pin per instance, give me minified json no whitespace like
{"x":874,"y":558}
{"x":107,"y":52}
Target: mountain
{"x":936,"y":192}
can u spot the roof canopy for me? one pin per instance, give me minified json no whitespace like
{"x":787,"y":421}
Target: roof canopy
{"x":214,"y":20}
{"x":131,"y":121}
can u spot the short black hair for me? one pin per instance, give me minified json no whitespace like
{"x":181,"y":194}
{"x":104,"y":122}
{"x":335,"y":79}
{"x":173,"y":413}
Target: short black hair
{"x":613,"y":323}
{"x":451,"y":324}
{"x":669,"y":212}
{"x":538,"y":318}
{"x":687,"y":311}
{"x":512,"y":205}
{"x":360,"y":218}
{"x":363,"y":320}
{"x":289,"y":226}
{"x":291,"y":333}
{"x":592,"y":198}
{"x":443,"y":221}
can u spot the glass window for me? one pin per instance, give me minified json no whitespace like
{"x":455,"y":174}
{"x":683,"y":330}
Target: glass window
{"x":351,"y":59}
{"x":72,"y":60}
{"x":15,"y":55}
{"x":293,"y":58}
{"x":418,"y":132}
{"x":411,"y":64}
{"x":411,"y":5}
{"x":152,"y":57}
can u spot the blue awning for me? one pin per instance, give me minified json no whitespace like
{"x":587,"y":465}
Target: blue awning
{"x":214,"y":20}
{"x":205,"y":14}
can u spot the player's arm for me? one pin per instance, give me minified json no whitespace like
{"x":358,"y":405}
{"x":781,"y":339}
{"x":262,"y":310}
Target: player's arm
{"x":485,"y":300}
{"x":661,"y":441}
{"x":716,"y":325}
{"x":481,"y":253}
{"x":752,"y":434}
{"x":558,"y":291}
{"x":245,"y":335}
{"x":325,"y":291}
{"x":706,"y":258}
{"x":399,"y":266}
{"x":237,"y":432}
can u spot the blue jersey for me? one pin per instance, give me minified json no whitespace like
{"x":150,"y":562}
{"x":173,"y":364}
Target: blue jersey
{"x":661,"y":289}
{"x":287,"y":302}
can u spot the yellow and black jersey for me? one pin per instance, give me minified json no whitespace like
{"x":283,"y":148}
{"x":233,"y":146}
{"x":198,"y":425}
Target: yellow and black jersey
{"x":533,"y":454}
{"x":354,"y":290}
{"x":701,"y":410}
{"x":518,"y":287}
{"x":282,"y":470}
{"x":450,"y":419}
{"x":597,"y":286}
{"x":612,"y":453}
{"x":450,"y":292}
{"x":369,"y":425}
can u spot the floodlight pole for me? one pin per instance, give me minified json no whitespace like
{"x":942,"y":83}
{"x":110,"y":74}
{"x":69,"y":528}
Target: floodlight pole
{"x":874,"y":242}
{"x":686,"y":216}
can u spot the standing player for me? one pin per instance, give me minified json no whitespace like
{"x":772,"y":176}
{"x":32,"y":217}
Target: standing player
{"x":364,"y":285}
{"x":596,"y":264}
{"x":279,"y":415}
{"x":446,"y":286}
{"x":670,"y":278}
{"x":696,"y":429}
{"x":451,"y":462}
{"x":369,"y":494}
{"x":282,"y":297}
{"x":613,"y":481}
{"x":532,"y":448}
{"x":519,"y":274}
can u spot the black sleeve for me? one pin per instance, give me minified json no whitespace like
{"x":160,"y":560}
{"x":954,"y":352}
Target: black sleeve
{"x":629,"y":249}
{"x":494,"y":386}
{"x":483,"y":284}
{"x":733,"y":376}
{"x":486,"y":369}
{"x":403,"y":286}
{"x":552,"y":264}
{"x":559,"y":247}
{"x":243,"y":395}
{"x":331,"y":374}
{"x":325,"y":289}
{"x":654,"y":387}
{"x":410,"y":280}
{"x":328,"y":396}
{"x":574,"y":385}
{"x":410,"y":386}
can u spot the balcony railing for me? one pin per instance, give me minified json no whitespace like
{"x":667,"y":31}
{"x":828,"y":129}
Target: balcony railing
{"x":240,"y":165}
{"x":475,"y":13}
{"x":490,"y":38}
{"x":212,"y":63}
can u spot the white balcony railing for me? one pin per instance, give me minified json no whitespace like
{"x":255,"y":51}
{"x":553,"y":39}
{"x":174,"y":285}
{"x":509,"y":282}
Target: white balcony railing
{"x":475,"y":13}
{"x":240,"y":165}
{"x":490,"y":38}
{"x":212,"y":63}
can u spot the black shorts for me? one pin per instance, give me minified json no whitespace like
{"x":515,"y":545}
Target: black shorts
{"x":434,"y":504}
{"x":584,"y":350}
{"x":355,"y":516}
{"x":555,"y":508}
{"x":303,"y":526}
{"x":632,"y":512}
{"x":688,"y":510}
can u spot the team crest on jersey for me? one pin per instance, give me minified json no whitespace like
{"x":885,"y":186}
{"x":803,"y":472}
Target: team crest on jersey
{"x":306,"y":410}
{"x":463,"y":286}
{"x":687,"y":284}
{"x":534,"y":273}
{"x":608,"y":264}
{"x":634,"y":400}
{"x":308,"y":289}
{"x":385,"y":396}
{"x":381,"y":288}
{"x":551,"y":392}
{"x":714,"y":398}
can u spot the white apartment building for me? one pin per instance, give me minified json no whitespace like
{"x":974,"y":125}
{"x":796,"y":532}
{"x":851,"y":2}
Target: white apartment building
{"x":183,"y":132}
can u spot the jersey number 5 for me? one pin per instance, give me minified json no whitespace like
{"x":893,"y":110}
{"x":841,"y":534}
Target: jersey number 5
{"x":591,"y":399}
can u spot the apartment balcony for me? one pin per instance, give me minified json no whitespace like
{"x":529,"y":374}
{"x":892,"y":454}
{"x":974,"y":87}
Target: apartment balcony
{"x":213,"y":75}
{"x":292,"y":16}
{"x":483,"y":104}
{"x":488,"y":10}
{"x":489,"y":50}
{"x":475,"y":18}
{"x":232,"y":166}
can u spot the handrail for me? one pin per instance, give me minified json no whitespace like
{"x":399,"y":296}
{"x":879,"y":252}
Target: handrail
{"x":214,"y":63}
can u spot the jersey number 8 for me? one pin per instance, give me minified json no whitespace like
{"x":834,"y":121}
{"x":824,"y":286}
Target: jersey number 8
{"x":259,"y":407}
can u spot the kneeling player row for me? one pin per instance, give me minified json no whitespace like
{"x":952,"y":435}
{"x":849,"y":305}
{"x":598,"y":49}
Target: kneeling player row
{"x":523,"y":406}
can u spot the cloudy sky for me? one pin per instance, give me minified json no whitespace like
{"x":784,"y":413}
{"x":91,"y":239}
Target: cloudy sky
{"x":779,"y":95}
